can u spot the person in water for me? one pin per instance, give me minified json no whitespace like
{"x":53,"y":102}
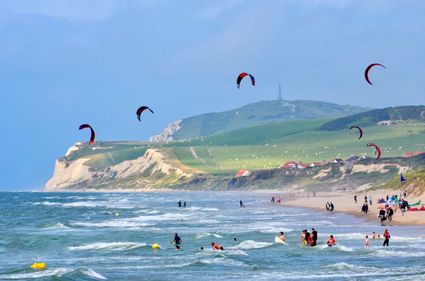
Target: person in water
{"x":313,"y":237}
{"x":307,"y":238}
{"x":241,"y":204}
{"x":374,"y":235}
{"x":387,"y":237}
{"x":366,"y":241}
{"x":216,"y":247}
{"x":302,"y":237}
{"x":331,"y":241}
{"x":282,"y":236}
{"x":179,"y":204}
{"x":177,"y":241}
{"x":184,"y":204}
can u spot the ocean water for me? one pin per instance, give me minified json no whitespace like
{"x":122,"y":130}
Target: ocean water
{"x":108,"y":236}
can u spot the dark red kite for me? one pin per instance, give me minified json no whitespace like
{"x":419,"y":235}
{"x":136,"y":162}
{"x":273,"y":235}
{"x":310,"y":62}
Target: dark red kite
{"x":241,"y":76}
{"x":366,"y":72}
{"x":140,"y":111}
{"x":360,"y":130}
{"x":377,"y":150}
{"x":93,"y":134}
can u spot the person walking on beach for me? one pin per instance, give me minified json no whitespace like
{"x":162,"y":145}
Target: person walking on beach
{"x":382,"y":216}
{"x":273,"y":200}
{"x":331,"y":207}
{"x":387,"y":237}
{"x":390,"y":213}
{"x":327,"y":206}
{"x":370,"y":200}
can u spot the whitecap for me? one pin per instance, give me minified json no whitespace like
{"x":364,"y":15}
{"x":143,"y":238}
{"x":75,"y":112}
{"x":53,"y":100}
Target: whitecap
{"x":58,"y":272}
{"x":91,"y":273}
{"x":112,"y":246}
{"x":250,"y":244}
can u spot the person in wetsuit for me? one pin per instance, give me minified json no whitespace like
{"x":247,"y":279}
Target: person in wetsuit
{"x":177,"y":241}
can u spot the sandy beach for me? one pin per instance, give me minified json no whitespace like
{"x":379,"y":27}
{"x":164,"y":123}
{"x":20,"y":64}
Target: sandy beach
{"x":344,"y":202}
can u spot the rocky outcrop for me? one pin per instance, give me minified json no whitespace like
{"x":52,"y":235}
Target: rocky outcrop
{"x":151,"y":170}
{"x":167,"y":133}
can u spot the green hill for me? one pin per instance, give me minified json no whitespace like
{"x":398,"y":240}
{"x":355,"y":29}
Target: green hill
{"x":260,"y":113}
{"x":371,"y":118}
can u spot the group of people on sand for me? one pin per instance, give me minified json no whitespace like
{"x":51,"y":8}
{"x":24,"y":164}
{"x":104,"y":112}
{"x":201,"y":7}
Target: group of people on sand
{"x":276,"y":200}
{"x":182,"y":204}
{"x":386,"y":214}
{"x":330,"y":207}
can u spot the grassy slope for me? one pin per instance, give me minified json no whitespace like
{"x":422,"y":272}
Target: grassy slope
{"x":270,"y":145}
{"x":259,"y":113}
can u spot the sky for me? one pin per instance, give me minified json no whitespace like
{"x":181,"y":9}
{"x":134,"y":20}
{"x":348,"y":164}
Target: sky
{"x":64,"y":63}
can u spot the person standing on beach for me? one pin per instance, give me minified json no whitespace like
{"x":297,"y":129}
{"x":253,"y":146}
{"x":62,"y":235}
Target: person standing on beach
{"x":390,"y":213}
{"x":387,"y":237}
{"x":370,"y":200}
{"x":382,"y":216}
{"x":365,"y":199}
{"x":355,"y":199}
{"x":331,"y":207}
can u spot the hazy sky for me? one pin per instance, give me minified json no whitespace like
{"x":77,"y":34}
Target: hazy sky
{"x":63,"y":63}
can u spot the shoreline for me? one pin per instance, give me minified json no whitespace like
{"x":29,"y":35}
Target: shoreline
{"x":344,"y":203}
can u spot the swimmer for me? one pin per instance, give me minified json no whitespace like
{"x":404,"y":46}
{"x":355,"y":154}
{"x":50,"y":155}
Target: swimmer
{"x":216,"y":246}
{"x":331,"y":241}
{"x":282,"y":236}
{"x":374,"y":235}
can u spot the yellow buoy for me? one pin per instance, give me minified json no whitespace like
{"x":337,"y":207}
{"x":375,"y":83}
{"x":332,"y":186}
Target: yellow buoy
{"x":155,"y":246}
{"x":38,"y":265}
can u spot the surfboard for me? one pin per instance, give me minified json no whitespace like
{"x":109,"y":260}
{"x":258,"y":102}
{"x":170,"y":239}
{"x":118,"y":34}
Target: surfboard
{"x":280,"y":241}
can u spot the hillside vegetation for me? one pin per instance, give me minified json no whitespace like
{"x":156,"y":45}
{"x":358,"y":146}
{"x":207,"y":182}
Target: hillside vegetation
{"x":259,"y":113}
{"x":371,"y":118}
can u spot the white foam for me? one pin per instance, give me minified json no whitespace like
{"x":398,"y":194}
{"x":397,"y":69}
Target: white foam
{"x":38,"y":274}
{"x":112,"y":246}
{"x":94,"y":274}
{"x":250,"y":244}
{"x":202,"y":235}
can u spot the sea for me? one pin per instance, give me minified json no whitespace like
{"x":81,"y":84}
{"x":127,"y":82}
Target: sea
{"x":109,"y":236}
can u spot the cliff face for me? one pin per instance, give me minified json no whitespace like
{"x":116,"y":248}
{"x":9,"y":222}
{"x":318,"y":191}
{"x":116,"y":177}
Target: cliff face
{"x":152,"y":170}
